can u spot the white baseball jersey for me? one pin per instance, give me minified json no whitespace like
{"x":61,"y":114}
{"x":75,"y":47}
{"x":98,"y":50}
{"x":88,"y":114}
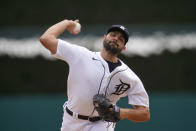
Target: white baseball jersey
{"x":89,"y":75}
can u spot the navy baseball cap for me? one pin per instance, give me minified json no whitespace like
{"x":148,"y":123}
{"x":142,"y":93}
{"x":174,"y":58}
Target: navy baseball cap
{"x":122,"y":29}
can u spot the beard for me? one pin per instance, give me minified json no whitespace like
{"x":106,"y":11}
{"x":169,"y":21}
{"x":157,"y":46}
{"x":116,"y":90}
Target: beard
{"x":111,"y":47}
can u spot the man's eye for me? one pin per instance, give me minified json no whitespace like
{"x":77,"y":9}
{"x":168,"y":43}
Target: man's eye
{"x":113,"y":35}
{"x":121,"y":39}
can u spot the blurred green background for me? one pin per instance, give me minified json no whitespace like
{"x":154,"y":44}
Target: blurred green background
{"x":33,"y":87}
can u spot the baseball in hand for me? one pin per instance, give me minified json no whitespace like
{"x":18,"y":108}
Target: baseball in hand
{"x":77,"y":27}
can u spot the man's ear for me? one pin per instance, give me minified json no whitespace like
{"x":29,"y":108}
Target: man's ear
{"x":124,"y":48}
{"x":104,"y":36}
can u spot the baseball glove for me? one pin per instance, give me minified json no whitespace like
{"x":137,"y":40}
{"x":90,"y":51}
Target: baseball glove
{"x":105,"y":109}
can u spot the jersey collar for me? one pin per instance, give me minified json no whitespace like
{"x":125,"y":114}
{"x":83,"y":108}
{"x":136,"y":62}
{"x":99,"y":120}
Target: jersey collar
{"x":98,"y":56}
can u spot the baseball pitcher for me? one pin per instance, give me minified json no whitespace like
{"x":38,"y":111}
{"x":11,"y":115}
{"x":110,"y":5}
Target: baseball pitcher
{"x":97,"y":80}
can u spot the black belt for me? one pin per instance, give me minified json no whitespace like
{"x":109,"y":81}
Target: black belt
{"x":91,"y":119}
